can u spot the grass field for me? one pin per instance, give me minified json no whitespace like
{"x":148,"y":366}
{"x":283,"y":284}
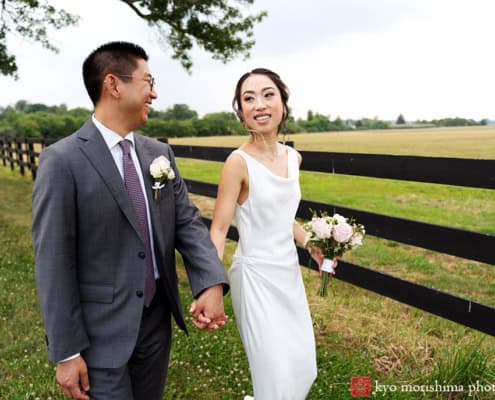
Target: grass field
{"x":465,"y":142}
{"x":358,"y":333}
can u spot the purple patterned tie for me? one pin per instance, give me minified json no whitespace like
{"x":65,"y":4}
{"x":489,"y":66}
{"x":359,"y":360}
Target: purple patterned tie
{"x":135,"y":193}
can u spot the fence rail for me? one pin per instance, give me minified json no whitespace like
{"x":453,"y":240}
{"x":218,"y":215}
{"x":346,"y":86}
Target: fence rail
{"x":475,"y":246}
{"x":458,"y":242}
{"x":448,"y":171}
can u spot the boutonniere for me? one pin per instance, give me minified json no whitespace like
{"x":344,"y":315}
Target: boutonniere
{"x":161,"y":171}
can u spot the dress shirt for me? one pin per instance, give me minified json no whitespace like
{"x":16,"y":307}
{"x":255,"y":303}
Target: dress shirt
{"x":112,"y":140}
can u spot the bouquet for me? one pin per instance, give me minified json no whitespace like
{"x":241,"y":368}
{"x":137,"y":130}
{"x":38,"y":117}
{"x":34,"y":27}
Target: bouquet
{"x":334,"y":236}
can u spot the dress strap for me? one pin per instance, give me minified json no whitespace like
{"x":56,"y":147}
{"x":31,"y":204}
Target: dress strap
{"x":292,"y":162}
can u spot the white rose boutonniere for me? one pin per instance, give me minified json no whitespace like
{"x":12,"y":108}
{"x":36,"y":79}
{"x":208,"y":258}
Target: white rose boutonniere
{"x":161,"y":171}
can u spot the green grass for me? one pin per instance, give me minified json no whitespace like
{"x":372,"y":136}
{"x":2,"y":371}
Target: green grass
{"x":358,"y":333}
{"x":466,"y":208}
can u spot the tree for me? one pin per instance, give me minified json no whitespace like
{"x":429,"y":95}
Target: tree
{"x":217,"y":26}
{"x":180,"y":112}
{"x":222,"y":123}
{"x":28,"y":19}
{"x":400,"y":120}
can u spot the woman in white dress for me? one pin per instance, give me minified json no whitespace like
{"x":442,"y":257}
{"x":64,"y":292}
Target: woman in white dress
{"x":259,"y":186}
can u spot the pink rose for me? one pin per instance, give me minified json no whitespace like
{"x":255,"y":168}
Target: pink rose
{"x":321,"y":228}
{"x":342,"y":232}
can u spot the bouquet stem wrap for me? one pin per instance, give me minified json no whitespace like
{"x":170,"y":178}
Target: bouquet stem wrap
{"x":326,"y":271}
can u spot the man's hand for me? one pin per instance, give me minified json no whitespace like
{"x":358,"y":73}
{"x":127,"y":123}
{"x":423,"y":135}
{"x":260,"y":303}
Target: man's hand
{"x":207,"y":311}
{"x":72,"y":376}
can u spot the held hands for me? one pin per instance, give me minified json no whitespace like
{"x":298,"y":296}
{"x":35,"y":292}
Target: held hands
{"x":72,"y":376}
{"x":207,"y":311}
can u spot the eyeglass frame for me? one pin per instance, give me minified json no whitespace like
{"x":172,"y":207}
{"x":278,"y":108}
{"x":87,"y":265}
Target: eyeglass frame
{"x":150,"y":79}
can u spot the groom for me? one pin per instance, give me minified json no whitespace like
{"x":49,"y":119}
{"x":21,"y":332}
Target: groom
{"x":105,"y":242}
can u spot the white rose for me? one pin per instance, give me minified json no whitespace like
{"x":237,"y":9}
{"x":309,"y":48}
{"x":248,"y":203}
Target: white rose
{"x":170,"y":173}
{"x":356,"y":240}
{"x":339,"y":218}
{"x":163,"y":162}
{"x":155,"y":171}
{"x":159,"y":167}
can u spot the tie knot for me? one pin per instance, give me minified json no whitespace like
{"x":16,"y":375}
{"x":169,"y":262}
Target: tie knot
{"x":126,"y":146}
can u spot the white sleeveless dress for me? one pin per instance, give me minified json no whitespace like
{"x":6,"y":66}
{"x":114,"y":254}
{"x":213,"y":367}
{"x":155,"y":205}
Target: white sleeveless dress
{"x":268,"y":294}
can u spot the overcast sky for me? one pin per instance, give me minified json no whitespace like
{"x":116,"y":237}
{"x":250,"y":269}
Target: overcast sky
{"x":350,"y":58}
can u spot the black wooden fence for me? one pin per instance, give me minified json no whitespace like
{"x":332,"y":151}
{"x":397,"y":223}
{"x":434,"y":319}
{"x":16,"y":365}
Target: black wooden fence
{"x":458,"y":242}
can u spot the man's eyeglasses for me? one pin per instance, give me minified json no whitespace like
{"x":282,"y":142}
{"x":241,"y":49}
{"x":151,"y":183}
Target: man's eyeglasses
{"x":150,"y":79}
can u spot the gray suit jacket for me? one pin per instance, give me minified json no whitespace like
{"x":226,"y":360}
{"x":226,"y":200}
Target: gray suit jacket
{"x":89,"y":271}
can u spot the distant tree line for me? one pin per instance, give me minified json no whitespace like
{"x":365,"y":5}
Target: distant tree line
{"x":39,"y":120}
{"x":455,"y":122}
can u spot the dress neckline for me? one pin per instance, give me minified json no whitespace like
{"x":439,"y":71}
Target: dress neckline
{"x":289,"y":177}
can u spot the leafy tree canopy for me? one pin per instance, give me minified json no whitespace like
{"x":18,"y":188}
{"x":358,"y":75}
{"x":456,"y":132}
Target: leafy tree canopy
{"x":217,"y":26}
{"x":179,"y":111}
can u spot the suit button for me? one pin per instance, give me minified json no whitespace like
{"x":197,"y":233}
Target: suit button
{"x":139,"y":293}
{"x":142,"y":254}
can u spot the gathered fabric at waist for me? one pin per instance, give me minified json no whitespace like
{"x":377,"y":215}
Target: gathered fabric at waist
{"x":274,"y":271}
{"x":279,"y":254}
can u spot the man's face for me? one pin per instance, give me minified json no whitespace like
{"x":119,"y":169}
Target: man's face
{"x":138,"y":94}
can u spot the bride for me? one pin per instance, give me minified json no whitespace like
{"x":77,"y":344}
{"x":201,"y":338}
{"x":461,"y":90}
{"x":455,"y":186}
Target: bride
{"x":259,"y":187}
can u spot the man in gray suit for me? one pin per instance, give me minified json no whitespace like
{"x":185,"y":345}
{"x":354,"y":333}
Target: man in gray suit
{"x":105,"y":233}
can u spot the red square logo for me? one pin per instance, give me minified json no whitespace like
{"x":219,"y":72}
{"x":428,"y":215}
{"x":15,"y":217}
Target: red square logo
{"x":361,"y":386}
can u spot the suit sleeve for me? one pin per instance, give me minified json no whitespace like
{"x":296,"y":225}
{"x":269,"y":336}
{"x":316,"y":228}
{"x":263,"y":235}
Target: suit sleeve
{"x":192,"y":239}
{"x":54,"y":231}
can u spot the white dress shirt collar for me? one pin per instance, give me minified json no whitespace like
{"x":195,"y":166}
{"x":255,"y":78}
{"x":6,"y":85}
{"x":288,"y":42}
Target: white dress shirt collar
{"x":111,"y":138}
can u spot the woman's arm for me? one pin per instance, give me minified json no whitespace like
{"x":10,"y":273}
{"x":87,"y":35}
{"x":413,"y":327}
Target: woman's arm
{"x":300,"y":235}
{"x":232,"y":189}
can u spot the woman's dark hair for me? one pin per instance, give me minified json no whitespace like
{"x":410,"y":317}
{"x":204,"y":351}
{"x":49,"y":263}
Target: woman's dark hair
{"x":119,"y":58}
{"x":282,"y":87}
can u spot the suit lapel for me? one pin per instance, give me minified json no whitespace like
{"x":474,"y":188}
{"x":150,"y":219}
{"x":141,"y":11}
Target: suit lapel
{"x":146,"y":157}
{"x":94,"y":147}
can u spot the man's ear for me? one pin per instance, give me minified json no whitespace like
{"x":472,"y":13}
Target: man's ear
{"x":111,"y":86}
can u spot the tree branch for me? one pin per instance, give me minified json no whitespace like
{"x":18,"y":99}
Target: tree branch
{"x":130,"y":3}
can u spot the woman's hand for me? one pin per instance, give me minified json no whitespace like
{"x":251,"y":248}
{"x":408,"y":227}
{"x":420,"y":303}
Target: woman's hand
{"x":318,"y":255}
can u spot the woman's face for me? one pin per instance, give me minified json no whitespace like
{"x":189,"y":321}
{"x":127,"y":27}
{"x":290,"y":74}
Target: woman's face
{"x":261,"y":104}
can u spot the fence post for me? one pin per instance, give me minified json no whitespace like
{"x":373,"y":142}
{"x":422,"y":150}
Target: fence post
{"x":3,"y":154}
{"x":31,"y":156}
{"x":20,"y":154}
{"x":10,"y":150}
